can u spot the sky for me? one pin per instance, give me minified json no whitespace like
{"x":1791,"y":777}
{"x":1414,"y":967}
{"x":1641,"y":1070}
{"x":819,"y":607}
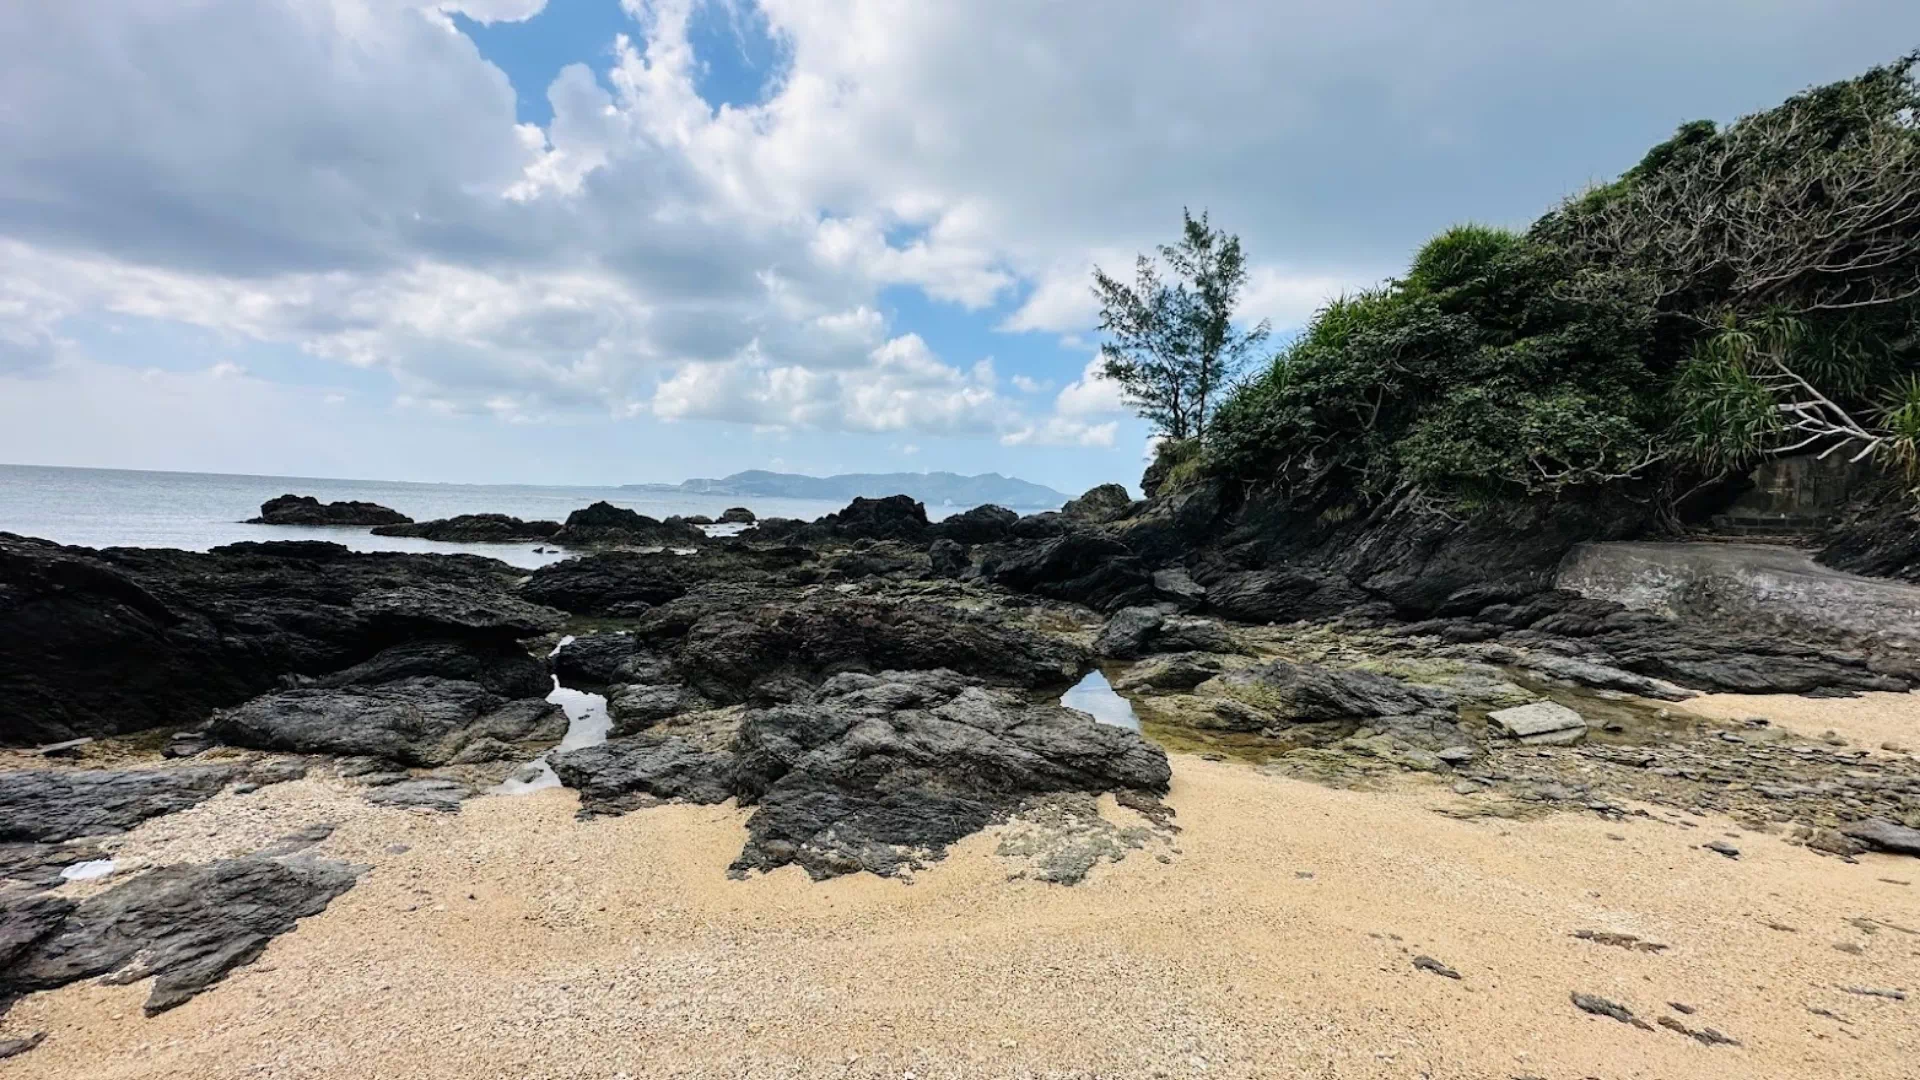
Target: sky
{"x":610,"y":241}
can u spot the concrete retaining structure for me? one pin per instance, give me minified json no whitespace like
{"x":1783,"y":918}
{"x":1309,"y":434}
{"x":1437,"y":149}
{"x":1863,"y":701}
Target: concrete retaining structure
{"x":1755,"y":586}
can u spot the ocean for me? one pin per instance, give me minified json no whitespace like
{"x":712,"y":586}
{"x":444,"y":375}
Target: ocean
{"x":197,"y":511}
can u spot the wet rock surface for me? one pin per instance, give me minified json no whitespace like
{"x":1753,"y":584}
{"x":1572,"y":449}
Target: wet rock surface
{"x":307,"y":510}
{"x":185,"y":926}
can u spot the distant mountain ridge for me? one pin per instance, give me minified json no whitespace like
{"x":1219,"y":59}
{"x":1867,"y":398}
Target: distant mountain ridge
{"x":936,"y":488}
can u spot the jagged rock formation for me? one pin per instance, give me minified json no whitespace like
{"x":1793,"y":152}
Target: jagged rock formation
{"x":99,"y":642}
{"x":1878,"y":534}
{"x":873,"y":772}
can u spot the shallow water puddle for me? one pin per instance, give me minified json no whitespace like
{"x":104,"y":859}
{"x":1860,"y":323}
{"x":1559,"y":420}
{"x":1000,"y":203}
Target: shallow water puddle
{"x":91,"y":870}
{"x":1095,"y":696}
{"x":587,"y":725}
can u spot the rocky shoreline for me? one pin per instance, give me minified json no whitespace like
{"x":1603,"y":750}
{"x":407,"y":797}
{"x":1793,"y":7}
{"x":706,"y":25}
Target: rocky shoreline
{"x":870,"y":690}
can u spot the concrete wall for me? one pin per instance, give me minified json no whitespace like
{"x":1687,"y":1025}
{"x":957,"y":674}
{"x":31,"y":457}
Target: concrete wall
{"x":1759,"y":587}
{"x":1793,"y":495}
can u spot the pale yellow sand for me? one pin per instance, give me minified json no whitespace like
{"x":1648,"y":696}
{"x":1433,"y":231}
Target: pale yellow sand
{"x":1869,"y":721}
{"x":513,"y":942}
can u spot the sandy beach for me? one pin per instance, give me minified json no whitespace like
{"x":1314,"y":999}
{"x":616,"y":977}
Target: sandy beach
{"x":1277,"y":939}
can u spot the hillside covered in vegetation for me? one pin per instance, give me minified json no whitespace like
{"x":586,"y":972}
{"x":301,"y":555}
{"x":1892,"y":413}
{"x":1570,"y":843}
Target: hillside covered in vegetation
{"x":1743,"y":292}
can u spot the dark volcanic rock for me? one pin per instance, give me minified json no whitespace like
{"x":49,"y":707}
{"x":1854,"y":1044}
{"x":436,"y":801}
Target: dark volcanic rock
{"x":1108,"y":502}
{"x":1399,"y":552}
{"x":593,"y":659}
{"x":881,"y":773}
{"x":424,"y":792}
{"x":1041,"y":526}
{"x":1330,"y":704}
{"x":729,"y":651}
{"x":1097,"y":571}
{"x":736,"y":515}
{"x":503,"y":668}
{"x":605,"y":523}
{"x":895,"y":517}
{"x":1177,"y":671}
{"x":307,"y":510}
{"x":51,"y":805}
{"x":102,"y":642}
{"x":474,"y":529}
{"x":26,"y":919}
{"x":614,"y":581}
{"x":417,"y":721}
{"x":1307,"y":693}
{"x":628,"y":773}
{"x":981,"y":525}
{"x":1134,"y":632}
{"x":16,"y":1047}
{"x":1877,"y":535}
{"x":948,"y":558}
{"x":636,"y":706}
{"x":1883,"y":835}
{"x":38,"y":866}
{"x":187,"y":926}
{"x":1275,"y":596}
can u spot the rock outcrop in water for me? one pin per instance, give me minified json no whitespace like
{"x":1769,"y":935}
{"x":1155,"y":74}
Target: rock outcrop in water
{"x":605,"y":523}
{"x":474,"y":529}
{"x":122,"y":639}
{"x":307,"y":510}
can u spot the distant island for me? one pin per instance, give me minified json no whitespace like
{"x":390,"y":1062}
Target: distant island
{"x":936,"y":488}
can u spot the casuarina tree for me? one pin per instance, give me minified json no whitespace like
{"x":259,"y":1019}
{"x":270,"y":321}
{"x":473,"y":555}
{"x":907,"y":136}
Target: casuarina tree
{"x":1172,"y":343}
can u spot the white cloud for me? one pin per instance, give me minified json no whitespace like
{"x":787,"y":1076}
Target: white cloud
{"x":903,"y":387}
{"x":349,"y":177}
{"x":1092,"y":394}
{"x":1063,"y":431}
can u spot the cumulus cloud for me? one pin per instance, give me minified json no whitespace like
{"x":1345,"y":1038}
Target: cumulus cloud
{"x":1092,"y":394}
{"x":904,"y":388}
{"x":349,"y":177}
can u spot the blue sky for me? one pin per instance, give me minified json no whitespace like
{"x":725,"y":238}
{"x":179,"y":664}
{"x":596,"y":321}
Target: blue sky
{"x":591,"y":241}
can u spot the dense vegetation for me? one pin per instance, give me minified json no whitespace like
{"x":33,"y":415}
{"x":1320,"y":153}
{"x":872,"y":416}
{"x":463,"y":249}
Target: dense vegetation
{"x":1741,"y":292}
